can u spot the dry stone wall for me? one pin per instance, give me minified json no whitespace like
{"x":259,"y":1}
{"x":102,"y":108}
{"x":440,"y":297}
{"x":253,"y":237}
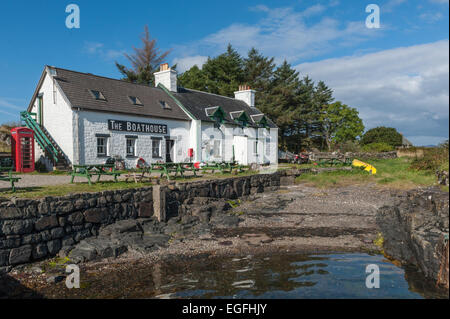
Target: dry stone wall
{"x":37,"y":229}
{"x":34,"y":229}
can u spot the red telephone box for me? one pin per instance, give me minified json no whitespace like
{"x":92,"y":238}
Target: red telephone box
{"x":22,"y":149}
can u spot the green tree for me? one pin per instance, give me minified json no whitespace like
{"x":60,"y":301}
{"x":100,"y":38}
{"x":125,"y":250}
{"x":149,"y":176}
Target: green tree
{"x":144,"y":62}
{"x":224,"y":73}
{"x":340,"y":123}
{"x":258,"y":70}
{"x":194,"y":78}
{"x":282,"y":101}
{"x":381,"y":134}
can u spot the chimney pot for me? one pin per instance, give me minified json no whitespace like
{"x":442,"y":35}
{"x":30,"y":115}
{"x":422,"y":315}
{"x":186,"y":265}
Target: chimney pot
{"x":167,"y":77}
{"x":164,"y":67}
{"x":245,"y":94}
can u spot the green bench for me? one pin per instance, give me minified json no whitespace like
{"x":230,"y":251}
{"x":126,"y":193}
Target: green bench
{"x":98,"y":170}
{"x":167,"y":168}
{"x":333,"y":161}
{"x":8,"y":177}
{"x":223,"y":167}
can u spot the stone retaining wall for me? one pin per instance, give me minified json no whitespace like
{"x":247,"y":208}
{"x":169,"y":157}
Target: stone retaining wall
{"x":38,"y":229}
{"x":359,"y":155}
{"x":384,"y":155}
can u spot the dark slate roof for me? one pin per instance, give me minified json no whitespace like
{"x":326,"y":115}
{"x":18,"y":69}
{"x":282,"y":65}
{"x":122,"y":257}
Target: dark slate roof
{"x":196,"y":102}
{"x":76,"y":86}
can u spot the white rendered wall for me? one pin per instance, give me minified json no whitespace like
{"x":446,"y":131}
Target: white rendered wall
{"x":92,"y":123}
{"x":58,"y":118}
{"x":227,"y":132}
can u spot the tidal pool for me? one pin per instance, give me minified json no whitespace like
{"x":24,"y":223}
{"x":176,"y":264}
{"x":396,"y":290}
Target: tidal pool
{"x":275,"y":276}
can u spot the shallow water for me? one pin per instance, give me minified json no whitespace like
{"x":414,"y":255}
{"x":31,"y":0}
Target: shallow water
{"x":275,"y":276}
{"x":290,"y":276}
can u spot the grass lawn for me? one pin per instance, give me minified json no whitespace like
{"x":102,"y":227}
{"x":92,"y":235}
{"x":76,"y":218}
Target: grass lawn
{"x":392,"y":173}
{"x":62,"y":190}
{"x":83,"y":187}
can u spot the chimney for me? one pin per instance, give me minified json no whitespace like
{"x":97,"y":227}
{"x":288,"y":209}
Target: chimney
{"x":167,"y":77}
{"x":245,"y":94}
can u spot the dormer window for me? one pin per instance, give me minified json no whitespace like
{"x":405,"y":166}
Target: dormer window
{"x":165,"y":105}
{"x":98,"y":95}
{"x":260,"y":120}
{"x":240,"y":117}
{"x":135,"y":101}
{"x":216,"y":113}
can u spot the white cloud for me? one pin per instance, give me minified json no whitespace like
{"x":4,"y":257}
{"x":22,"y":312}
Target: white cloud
{"x":440,"y":1}
{"x":407,"y":88}
{"x":10,"y":103}
{"x":431,"y":16}
{"x":97,"y":48}
{"x":186,"y":63}
{"x":391,"y":4}
{"x":285,"y":34}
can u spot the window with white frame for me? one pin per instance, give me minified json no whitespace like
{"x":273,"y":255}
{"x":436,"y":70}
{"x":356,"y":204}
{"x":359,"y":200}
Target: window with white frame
{"x":131,"y":146}
{"x":156,"y":148}
{"x":102,"y":146}
{"x":217,"y":148}
{"x":255,"y":147}
{"x":268,"y":146}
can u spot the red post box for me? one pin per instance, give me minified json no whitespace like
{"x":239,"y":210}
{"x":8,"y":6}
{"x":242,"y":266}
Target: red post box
{"x":190,"y":152}
{"x":22,"y":149}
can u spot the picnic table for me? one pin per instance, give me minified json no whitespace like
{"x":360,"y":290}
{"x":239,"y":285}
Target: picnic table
{"x":167,"y":168}
{"x":138,"y":174}
{"x":98,"y":170}
{"x":332,"y":160}
{"x":223,"y":167}
{"x":8,"y":177}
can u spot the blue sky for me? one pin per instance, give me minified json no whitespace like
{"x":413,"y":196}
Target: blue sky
{"x":396,"y":75}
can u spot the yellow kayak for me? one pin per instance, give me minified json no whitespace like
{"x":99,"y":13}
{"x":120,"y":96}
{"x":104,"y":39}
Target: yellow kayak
{"x":367,"y":167}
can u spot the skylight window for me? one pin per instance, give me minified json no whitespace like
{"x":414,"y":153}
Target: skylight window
{"x":98,"y":95}
{"x":135,"y":100}
{"x":165,"y":105}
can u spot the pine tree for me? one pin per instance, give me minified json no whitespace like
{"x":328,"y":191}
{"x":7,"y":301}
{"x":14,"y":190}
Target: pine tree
{"x":144,"y":62}
{"x":224,"y":73}
{"x":194,"y":78}
{"x":282,"y":100}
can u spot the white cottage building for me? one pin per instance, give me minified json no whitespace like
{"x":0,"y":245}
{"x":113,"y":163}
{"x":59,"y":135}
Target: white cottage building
{"x":81,"y":118}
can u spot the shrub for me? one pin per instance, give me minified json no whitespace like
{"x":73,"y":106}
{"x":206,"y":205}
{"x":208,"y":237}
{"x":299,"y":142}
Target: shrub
{"x":434,"y":158}
{"x":388,"y":135}
{"x":40,"y":167}
{"x":377,"y":148}
{"x":348,"y":146}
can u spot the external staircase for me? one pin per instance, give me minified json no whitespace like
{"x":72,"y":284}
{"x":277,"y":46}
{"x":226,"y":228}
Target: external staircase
{"x":48,"y":145}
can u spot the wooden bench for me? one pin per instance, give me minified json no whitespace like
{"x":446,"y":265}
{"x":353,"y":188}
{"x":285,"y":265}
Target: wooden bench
{"x":98,"y":170}
{"x":8,"y":177}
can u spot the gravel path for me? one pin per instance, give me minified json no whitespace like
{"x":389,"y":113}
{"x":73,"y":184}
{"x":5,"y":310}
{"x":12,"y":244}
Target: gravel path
{"x":34,"y":180}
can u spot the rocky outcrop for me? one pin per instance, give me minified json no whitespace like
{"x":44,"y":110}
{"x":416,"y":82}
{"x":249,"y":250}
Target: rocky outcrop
{"x":144,"y":235}
{"x":415,"y":231}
